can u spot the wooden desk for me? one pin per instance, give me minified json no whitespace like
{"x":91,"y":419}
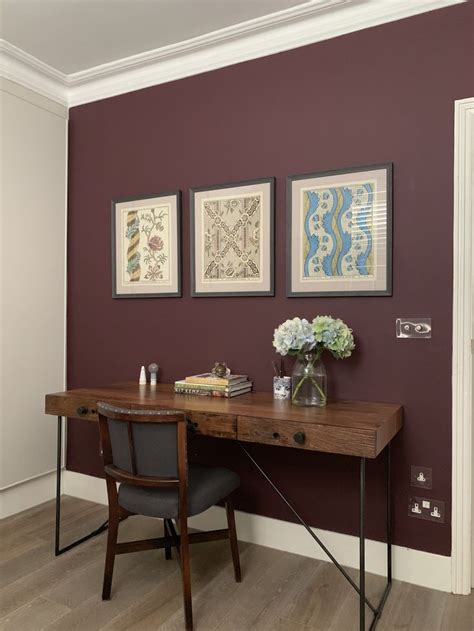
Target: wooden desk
{"x":342,"y":427}
{"x":357,"y":429}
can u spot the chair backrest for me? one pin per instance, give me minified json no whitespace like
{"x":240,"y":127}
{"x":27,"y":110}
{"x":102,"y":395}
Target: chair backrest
{"x":143,"y":447}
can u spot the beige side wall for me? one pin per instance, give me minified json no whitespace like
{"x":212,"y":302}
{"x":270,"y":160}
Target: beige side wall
{"x":33,"y":142}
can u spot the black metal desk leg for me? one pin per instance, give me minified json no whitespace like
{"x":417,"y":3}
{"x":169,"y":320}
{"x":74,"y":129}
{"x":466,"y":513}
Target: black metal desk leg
{"x":57,"y":549}
{"x":389,"y":517}
{"x":59,"y":448}
{"x":362,"y":546}
{"x":388,"y":585}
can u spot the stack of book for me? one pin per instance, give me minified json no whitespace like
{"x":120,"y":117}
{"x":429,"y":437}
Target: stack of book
{"x":208,"y":385}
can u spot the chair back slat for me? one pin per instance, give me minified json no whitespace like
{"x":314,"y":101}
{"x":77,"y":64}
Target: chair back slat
{"x":131,"y":448}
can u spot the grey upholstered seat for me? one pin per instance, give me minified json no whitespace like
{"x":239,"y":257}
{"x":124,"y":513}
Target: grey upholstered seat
{"x":206,"y":487}
{"x":155,"y":449}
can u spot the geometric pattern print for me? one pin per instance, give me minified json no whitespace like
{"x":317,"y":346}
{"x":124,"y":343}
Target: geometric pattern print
{"x":231,"y":228}
{"x":338,"y":225}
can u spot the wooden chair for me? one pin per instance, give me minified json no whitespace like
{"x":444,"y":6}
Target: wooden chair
{"x":145,"y":451}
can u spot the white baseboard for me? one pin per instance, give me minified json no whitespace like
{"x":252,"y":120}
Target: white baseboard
{"x":27,"y":494}
{"x":412,"y":566}
{"x":86,"y":487}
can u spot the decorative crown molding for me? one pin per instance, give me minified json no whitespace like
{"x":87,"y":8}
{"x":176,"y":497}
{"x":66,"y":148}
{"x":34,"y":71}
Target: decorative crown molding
{"x":304,"y":24}
{"x":21,"y":67}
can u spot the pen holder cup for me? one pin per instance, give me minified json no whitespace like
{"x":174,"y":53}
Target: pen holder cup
{"x":281,"y":387}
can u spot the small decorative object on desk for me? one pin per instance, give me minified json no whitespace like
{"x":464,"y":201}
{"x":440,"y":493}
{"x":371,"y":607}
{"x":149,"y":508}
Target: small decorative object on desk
{"x":153,"y":370}
{"x":142,"y":379}
{"x":308,"y":341}
{"x":220,"y":370}
{"x":281,"y":387}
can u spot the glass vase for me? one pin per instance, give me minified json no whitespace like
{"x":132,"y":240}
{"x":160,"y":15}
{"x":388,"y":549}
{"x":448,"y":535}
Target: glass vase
{"x":309,"y":380}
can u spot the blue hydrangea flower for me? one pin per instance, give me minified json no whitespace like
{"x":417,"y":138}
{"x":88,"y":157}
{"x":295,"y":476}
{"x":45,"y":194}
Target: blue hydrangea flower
{"x":294,"y":336}
{"x":333,"y":335}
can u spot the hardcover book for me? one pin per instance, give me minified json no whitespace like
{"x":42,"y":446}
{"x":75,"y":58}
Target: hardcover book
{"x":212,"y":393}
{"x":211,"y":386}
{"x":209,"y":378}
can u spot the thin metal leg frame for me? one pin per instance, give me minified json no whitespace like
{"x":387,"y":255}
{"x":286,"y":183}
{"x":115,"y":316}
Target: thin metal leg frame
{"x":57,"y":549}
{"x":377,"y":611}
{"x":388,"y":586}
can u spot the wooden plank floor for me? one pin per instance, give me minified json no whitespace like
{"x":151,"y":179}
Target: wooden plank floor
{"x":279,"y":592}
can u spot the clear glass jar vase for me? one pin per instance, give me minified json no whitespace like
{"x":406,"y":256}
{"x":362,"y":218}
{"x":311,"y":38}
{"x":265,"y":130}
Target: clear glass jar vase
{"x":309,"y":380}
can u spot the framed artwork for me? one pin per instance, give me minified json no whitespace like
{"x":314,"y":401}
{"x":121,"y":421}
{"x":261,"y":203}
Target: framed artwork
{"x":339,"y":232}
{"x":232,"y":239}
{"x":146,"y":258}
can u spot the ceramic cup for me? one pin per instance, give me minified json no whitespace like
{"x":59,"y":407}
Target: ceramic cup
{"x":281,"y":387}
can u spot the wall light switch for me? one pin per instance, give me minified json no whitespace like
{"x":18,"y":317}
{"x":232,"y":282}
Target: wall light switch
{"x":421,"y":477}
{"x":415,"y":328}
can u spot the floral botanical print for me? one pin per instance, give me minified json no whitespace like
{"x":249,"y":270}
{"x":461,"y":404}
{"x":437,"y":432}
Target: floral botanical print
{"x":231,"y":238}
{"x":133,"y":255}
{"x":147,"y":235}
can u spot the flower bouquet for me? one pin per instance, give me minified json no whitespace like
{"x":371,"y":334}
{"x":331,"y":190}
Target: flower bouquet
{"x":308,"y":341}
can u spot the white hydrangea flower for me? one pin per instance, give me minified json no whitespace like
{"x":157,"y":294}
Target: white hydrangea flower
{"x":294,"y":336}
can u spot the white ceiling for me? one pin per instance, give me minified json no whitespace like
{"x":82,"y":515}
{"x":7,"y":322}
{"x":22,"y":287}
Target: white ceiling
{"x":78,"y":51}
{"x":73,"y":35}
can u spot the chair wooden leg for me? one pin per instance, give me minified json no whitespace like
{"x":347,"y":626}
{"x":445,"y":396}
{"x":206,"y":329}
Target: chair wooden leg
{"x":186,"y":573}
{"x":110,"y":554}
{"x":234,"y":546}
{"x":167,"y":534}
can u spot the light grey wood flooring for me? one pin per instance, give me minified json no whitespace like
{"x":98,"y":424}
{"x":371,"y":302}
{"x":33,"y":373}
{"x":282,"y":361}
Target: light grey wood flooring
{"x":279,"y":591}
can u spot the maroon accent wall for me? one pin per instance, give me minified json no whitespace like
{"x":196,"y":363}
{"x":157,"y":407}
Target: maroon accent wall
{"x":381,"y":95}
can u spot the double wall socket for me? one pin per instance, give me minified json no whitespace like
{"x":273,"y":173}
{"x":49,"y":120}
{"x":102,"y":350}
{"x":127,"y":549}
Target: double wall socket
{"x":426,"y":508}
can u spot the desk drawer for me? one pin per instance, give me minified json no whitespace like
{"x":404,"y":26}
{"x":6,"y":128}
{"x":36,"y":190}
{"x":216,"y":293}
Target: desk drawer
{"x":331,"y":439}
{"x":218,"y":425}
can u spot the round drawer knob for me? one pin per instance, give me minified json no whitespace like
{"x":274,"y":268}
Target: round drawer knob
{"x":81,"y":410}
{"x":299,"y":438}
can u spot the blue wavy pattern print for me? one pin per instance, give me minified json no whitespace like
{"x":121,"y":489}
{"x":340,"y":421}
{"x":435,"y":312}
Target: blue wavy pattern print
{"x":345,"y":236}
{"x":327,"y":223}
{"x":361,"y":260}
{"x":338,"y":231}
{"x":313,"y":239}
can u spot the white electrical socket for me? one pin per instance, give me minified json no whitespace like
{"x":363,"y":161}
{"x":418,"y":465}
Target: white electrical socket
{"x":426,"y":508}
{"x":421,"y":476}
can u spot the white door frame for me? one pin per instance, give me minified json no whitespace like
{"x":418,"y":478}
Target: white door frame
{"x":462,"y":332}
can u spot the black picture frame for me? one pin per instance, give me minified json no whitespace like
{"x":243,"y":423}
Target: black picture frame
{"x":270,"y":181}
{"x":387,"y":291}
{"x":133,"y":198}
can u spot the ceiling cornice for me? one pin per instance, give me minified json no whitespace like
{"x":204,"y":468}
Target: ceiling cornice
{"x":304,"y":24}
{"x":21,"y":67}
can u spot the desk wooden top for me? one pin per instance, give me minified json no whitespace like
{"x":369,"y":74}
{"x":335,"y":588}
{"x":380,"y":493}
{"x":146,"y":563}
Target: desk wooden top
{"x":348,"y":427}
